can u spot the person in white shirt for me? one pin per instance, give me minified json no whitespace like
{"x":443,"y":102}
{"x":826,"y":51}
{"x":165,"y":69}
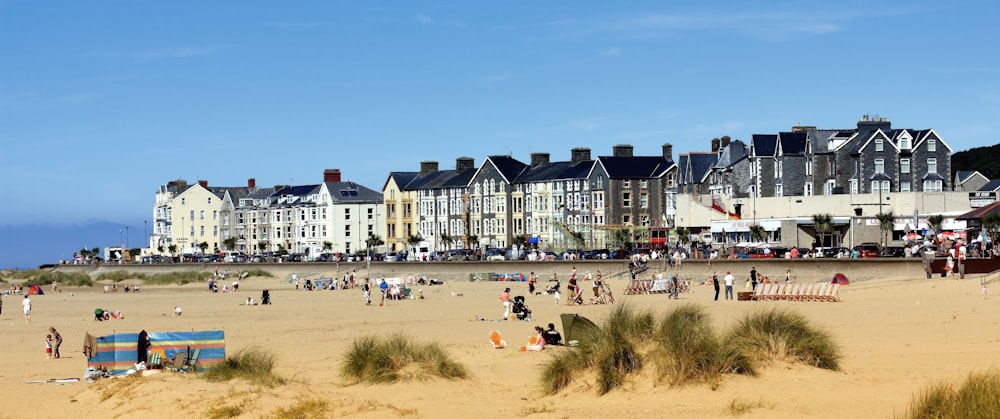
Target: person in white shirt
{"x":27,"y":308}
{"x":729,"y":284}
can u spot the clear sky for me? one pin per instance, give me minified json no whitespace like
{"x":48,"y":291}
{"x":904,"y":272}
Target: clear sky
{"x":102,"y":101}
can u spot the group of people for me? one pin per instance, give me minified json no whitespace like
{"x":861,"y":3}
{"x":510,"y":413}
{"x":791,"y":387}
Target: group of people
{"x":543,"y":337}
{"x":101,"y":314}
{"x":52,"y":342}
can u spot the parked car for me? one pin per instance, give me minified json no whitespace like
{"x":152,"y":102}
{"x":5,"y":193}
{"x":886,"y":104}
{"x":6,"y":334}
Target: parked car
{"x":893,"y":252}
{"x":494,"y":253}
{"x":829,"y":252}
{"x":598,"y":254}
{"x":868,"y":250}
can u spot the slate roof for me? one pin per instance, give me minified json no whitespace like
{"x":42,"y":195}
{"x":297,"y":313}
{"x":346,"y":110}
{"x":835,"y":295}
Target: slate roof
{"x":508,"y":166}
{"x":734,"y":153}
{"x":991,"y":186}
{"x":699,"y":164}
{"x":820,"y":140}
{"x":764,"y":144}
{"x":963,"y":175}
{"x":792,"y":143}
{"x":682,"y":174}
{"x":351,"y":192}
{"x":402,"y":179}
{"x":635,"y":167}
{"x":555,"y":171}
{"x":430,"y":180}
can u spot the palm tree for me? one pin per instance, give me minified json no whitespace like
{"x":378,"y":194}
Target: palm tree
{"x":823,"y":223}
{"x":757,"y":233}
{"x":203,"y":246}
{"x":262,"y":246}
{"x":622,"y":238}
{"x":327,"y":246}
{"x":374,"y":240}
{"x":446,"y":240}
{"x":683,"y":235}
{"x":413,"y":241}
{"x":230,"y":243}
{"x":934,"y":222}
{"x":172,"y":249}
{"x":885,"y":220}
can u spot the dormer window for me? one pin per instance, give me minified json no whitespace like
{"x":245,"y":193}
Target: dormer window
{"x":879,"y":146}
{"x":932,"y":145}
{"x":904,"y":143}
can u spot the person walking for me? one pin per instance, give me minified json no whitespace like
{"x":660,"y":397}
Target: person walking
{"x":729,"y":284}
{"x":27,"y":308}
{"x":366,"y":288}
{"x":56,"y":341}
{"x":531,"y":283}
{"x":505,"y":299}
{"x":753,"y":278}
{"x":715,"y":284}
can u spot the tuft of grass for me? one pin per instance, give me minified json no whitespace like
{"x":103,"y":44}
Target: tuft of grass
{"x":534,"y":410}
{"x":119,"y":276}
{"x":177,"y":278}
{"x":253,"y":364}
{"x":228,"y":411}
{"x":560,"y":371}
{"x":396,"y":358}
{"x":303,"y":409}
{"x":975,"y":398}
{"x":780,"y":334}
{"x":259,"y":272}
{"x":45,"y":277}
{"x":739,"y":407}
{"x":688,"y":350}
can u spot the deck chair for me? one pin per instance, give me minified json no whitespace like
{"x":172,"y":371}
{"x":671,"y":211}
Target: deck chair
{"x":155,"y":360}
{"x":496,"y":341}
{"x":758,"y":293}
{"x":807,"y":292}
{"x":178,"y":363}
{"x":192,"y":362}
{"x":833,"y":294}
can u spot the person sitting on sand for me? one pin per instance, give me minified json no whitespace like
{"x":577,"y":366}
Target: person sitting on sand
{"x":552,"y":336}
{"x":536,"y":342}
{"x":178,"y":311}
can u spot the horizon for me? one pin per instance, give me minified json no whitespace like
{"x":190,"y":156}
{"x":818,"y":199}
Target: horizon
{"x":100,"y":105}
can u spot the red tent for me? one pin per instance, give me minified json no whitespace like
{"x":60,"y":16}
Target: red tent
{"x":841,"y":279}
{"x":34,"y":289}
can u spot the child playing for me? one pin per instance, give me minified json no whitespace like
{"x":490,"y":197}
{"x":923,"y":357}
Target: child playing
{"x":48,"y":346}
{"x":556,"y":294}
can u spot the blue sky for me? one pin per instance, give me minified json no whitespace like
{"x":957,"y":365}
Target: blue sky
{"x":101,"y":102}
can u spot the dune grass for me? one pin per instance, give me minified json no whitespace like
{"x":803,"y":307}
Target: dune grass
{"x":253,"y":364}
{"x":304,"y":409}
{"x":45,"y":277}
{"x":740,"y":407}
{"x":119,"y":276}
{"x":685,"y":348}
{"x":396,"y":358}
{"x":977,"y":397}
{"x":688,"y":350}
{"x":775,"y":334}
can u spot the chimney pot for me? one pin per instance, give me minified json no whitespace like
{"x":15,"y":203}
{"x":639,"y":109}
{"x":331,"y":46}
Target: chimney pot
{"x":203,"y":183}
{"x":251,"y":183}
{"x":579,"y":154}
{"x":428,"y":166}
{"x":622,"y":150}
{"x":538,"y":159}
{"x":331,"y":176}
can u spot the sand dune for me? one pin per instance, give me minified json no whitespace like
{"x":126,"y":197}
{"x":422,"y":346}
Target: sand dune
{"x":898,"y":336}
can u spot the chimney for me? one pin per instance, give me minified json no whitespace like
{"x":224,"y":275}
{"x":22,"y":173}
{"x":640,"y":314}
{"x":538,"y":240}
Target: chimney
{"x":203,"y":183}
{"x":873,"y":122}
{"x":668,"y":151}
{"x":715,"y":144}
{"x":538,"y":159}
{"x":622,"y":150}
{"x":464,"y":163}
{"x":251,"y":183}
{"x":428,"y":166}
{"x":725,"y":141}
{"x":331,"y":176}
{"x":579,"y":154}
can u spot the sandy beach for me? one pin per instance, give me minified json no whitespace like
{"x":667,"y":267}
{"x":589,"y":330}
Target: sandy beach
{"x":898,"y":335}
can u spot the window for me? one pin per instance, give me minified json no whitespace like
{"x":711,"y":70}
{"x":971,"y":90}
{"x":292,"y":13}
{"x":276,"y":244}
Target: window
{"x":643,"y":200}
{"x":777,"y":173}
{"x":904,"y":186}
{"x":830,"y":186}
{"x":626,"y":183}
{"x":879,"y":146}
{"x":904,"y":143}
{"x":209,"y":200}
{"x":809,"y":167}
{"x":192,"y":215}
{"x":182,"y":200}
{"x":932,"y":165}
{"x":932,"y":145}
{"x":932,"y":186}
{"x":779,"y":190}
{"x":644,"y":184}
{"x":904,"y":165}
{"x":347,"y":230}
{"x":626,"y":219}
{"x":347,"y":214}
{"x":808,"y":190}
{"x":627,"y":199}
{"x":879,"y":166}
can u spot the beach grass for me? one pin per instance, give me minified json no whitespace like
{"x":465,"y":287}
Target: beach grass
{"x":45,"y":277}
{"x":119,"y":276}
{"x":688,"y":350}
{"x":177,"y":278}
{"x":740,"y":407}
{"x":976,"y":397}
{"x":304,"y":408}
{"x":253,"y":364}
{"x":397,"y":357}
{"x":775,"y":334}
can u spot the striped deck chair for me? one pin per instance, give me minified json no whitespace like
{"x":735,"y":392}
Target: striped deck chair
{"x":823,"y":292}
{"x":758,"y":294}
{"x":803,"y":294}
{"x":155,"y":360}
{"x":791,"y":290}
{"x":834,"y":294}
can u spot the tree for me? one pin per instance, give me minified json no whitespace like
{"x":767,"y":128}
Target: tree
{"x":991,"y":225}
{"x":413,"y":241}
{"x":520,"y":242}
{"x":934,"y":222}
{"x":327,"y":246}
{"x":230,"y":243}
{"x":823,"y":223}
{"x":757,"y":233}
{"x":885,"y":220}
{"x":683,"y":235}
{"x":374,"y":241}
{"x":172,"y":249}
{"x":203,"y":246}
{"x":446,"y":240}
{"x":281,"y":250}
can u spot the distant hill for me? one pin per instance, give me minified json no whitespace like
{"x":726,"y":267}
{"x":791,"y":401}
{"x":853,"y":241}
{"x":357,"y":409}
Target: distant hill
{"x":983,"y":159}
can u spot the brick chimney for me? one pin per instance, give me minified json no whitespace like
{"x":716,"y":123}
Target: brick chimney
{"x":251,"y":183}
{"x":579,"y":154}
{"x":203,"y":183}
{"x":464,"y":163}
{"x":715,"y":144}
{"x":668,"y":151}
{"x":725,"y":141}
{"x":331,"y":176}
{"x":622,"y":150}
{"x":428,"y":166}
{"x":538,"y":159}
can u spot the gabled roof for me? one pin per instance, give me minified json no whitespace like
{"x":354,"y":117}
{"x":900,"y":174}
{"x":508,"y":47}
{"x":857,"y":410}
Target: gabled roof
{"x":635,"y":167}
{"x":430,"y":180}
{"x":508,"y":166}
{"x":734,"y":153}
{"x":763,"y":145}
{"x":792,"y":143}
{"x":963,"y":176}
{"x":556,"y":171}
{"x":699,"y":164}
{"x":927,"y":134}
{"x":682,"y":172}
{"x":402,"y":179}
